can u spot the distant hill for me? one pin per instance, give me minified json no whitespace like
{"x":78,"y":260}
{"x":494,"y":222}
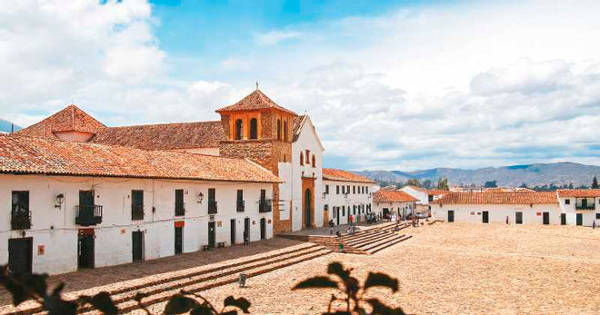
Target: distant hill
{"x":515,"y":175}
{"x":5,"y":126}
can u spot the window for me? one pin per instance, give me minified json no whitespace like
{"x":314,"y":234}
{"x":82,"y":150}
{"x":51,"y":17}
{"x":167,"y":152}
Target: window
{"x":238,"y":129}
{"x":337,"y":189}
{"x":354,"y":209}
{"x":367,"y":189}
{"x":278,"y":129}
{"x":240,"y":201}
{"x":307,"y":155}
{"x":301,"y":158}
{"x":597,"y":216}
{"x":567,"y":201}
{"x":179,"y":206}
{"x":20,"y":215}
{"x":137,"y":205}
{"x":253,"y":128}
{"x":327,"y":189}
{"x":212,"y":202}
{"x":343,"y":210}
{"x":313,"y":161}
{"x":326,"y":207}
{"x":354,"y":189}
{"x":335,"y":212}
{"x":264,"y":205}
{"x":347,"y":189}
{"x":285,"y":131}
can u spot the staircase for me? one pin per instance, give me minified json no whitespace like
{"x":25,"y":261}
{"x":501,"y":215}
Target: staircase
{"x":160,"y":288}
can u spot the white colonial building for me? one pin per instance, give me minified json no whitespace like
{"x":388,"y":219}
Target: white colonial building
{"x":346,"y":194}
{"x":424,"y":197}
{"x":388,"y":202}
{"x":500,"y":207}
{"x":579,"y":206}
{"x":83,"y":205}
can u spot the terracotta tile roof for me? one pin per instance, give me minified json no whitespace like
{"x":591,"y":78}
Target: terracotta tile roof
{"x":174,"y":136}
{"x":32,"y":155}
{"x":392,"y":196}
{"x":579,"y":193}
{"x":298,"y":122}
{"x":254,"y":101}
{"x":498,"y":198}
{"x":71,"y":118}
{"x":344,"y":176}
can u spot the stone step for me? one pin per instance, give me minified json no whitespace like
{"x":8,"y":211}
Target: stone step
{"x":162,"y":296}
{"x":195,"y":272}
{"x":367,"y":238}
{"x":377,"y":249}
{"x":374,"y":239}
{"x":381,"y":242}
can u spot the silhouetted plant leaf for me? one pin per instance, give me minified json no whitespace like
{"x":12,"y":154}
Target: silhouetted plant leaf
{"x":56,"y":305}
{"x":203,"y":309}
{"x":335,"y":268}
{"x":316,"y":282}
{"x":103,"y":303}
{"x":380,"y":308}
{"x":37,"y":282}
{"x":139,"y":296}
{"x":382,"y":280}
{"x":17,"y":291}
{"x":352,"y":286}
{"x":240,"y":303}
{"x":179,"y":304}
{"x":229,"y":313}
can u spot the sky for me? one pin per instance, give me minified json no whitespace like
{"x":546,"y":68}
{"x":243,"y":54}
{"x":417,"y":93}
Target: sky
{"x":395,"y":85}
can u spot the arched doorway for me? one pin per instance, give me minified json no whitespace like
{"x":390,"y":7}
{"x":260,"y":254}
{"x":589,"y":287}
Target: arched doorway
{"x":307,"y":196}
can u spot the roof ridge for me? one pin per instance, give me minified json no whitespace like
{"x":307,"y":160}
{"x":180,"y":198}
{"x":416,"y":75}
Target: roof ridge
{"x":171,"y":123}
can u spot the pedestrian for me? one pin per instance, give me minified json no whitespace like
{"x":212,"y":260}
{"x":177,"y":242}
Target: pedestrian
{"x":594,"y":225}
{"x":351,"y":219}
{"x":506,"y":219}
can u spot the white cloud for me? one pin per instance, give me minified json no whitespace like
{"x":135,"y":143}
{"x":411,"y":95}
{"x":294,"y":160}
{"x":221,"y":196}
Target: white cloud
{"x":276,"y":36}
{"x":453,"y":85}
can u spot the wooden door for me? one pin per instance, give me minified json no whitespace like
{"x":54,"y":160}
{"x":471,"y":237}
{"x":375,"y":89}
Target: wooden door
{"x":579,"y":219}
{"x":485,"y":217}
{"x":546,"y":218}
{"x":563,"y":219}
{"x":232,"y":227}
{"x":263,"y":228}
{"x":211,"y":234}
{"x":450,"y":215}
{"x":178,"y":240}
{"x":307,"y":204}
{"x":20,"y":253}
{"x":247,"y":230}
{"x":137,"y":245}
{"x":519,"y":218}
{"x":86,"y":251}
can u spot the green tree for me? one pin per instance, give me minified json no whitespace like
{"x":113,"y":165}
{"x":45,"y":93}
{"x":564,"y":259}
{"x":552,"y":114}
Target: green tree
{"x":595,"y":183}
{"x":413,"y":182}
{"x":443,"y":184}
{"x":490,"y":184}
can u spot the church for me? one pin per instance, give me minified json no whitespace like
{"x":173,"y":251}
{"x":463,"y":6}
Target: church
{"x":86,"y":195}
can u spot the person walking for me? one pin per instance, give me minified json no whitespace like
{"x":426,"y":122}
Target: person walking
{"x":506,"y":219}
{"x":594,"y":225}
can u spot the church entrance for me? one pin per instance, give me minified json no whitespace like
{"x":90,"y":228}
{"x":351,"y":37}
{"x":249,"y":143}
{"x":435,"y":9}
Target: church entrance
{"x":308,"y":202}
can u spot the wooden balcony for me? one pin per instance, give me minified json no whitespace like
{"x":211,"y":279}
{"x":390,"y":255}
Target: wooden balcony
{"x":87,"y":215}
{"x":20,"y":220}
{"x":212,"y":207}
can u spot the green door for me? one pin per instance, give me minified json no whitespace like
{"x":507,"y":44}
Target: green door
{"x":579,"y":219}
{"x":563,"y":219}
{"x":546,"y":218}
{"x":450,"y":215}
{"x":519,"y":218}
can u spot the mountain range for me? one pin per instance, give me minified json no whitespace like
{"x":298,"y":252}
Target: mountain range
{"x":562,"y":173}
{"x":5,"y":126}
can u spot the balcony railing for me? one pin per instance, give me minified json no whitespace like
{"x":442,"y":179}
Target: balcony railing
{"x":137,"y":212}
{"x":241,"y":205}
{"x":179,"y":210}
{"x":585,"y":207}
{"x":88,"y":215}
{"x":212,"y":207}
{"x":264,"y":206}
{"x":20,"y":220}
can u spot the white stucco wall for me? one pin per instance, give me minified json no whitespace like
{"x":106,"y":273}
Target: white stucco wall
{"x":421,"y":196}
{"x":589,"y":216}
{"x":55,"y":228}
{"x":307,"y":140}
{"x":402,"y":208}
{"x":347,"y":201}
{"x":497,"y":212}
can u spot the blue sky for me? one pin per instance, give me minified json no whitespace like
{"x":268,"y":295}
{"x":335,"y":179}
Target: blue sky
{"x":398,"y":85}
